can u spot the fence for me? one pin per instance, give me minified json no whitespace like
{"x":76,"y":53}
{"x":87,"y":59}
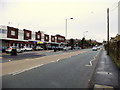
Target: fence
{"x":114,"y":51}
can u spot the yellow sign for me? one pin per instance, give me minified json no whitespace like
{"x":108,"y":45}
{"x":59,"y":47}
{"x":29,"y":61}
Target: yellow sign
{"x":38,"y":42}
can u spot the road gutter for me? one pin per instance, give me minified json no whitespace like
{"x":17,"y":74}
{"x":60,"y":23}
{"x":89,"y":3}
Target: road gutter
{"x":90,"y":83}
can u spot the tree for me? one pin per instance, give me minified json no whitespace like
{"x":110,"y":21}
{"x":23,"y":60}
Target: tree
{"x":72,"y":42}
{"x":83,"y":42}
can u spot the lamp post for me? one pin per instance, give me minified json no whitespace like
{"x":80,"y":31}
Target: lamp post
{"x":108,"y":31}
{"x":66,"y":26}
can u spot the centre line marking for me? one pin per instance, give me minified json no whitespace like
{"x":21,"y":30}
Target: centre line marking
{"x":90,"y":64}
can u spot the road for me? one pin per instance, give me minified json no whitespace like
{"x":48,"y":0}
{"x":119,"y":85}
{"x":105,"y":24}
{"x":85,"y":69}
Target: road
{"x":29,"y":55}
{"x":67,"y":70}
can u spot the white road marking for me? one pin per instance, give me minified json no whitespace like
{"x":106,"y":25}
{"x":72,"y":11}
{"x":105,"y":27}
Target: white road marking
{"x":52,"y":61}
{"x":27,"y":59}
{"x":90,"y":64}
{"x":18,"y":72}
{"x":58,"y":60}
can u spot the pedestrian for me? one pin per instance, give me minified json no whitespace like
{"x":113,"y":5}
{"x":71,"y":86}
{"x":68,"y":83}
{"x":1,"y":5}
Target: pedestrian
{"x":13,"y":52}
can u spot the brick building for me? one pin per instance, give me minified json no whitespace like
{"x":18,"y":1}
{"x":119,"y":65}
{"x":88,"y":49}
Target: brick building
{"x":11,"y":36}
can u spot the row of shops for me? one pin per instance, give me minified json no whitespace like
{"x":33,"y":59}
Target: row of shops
{"x":15,"y":37}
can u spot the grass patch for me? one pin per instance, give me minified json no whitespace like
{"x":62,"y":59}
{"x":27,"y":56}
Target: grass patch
{"x":117,"y":62}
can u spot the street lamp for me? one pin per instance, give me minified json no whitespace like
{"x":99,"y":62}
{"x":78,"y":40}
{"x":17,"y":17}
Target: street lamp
{"x":66,"y":26}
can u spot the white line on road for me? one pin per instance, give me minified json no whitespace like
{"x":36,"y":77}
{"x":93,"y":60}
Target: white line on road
{"x":52,"y":61}
{"x":18,"y":72}
{"x":58,"y":60}
{"x":90,"y":64}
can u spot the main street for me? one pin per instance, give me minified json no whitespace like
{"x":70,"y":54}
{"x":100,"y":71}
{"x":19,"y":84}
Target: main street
{"x":72,"y":69}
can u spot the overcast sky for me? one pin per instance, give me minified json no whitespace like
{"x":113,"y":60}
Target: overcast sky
{"x":49,"y":16}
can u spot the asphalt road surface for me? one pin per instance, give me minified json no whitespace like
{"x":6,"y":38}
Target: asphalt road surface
{"x":72,"y":72}
{"x":29,"y":55}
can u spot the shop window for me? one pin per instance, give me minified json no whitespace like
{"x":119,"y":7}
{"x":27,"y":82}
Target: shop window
{"x":15,"y":44}
{"x":11,"y":44}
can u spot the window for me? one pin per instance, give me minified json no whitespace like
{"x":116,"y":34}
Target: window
{"x":28,"y":34}
{"x":3,"y":30}
{"x":46,"y":38}
{"x":53,"y":39}
{"x":38,"y":36}
{"x":13,"y":33}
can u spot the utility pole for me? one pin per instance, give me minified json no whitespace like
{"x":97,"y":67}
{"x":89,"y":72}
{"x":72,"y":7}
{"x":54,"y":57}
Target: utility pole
{"x":107,"y":31}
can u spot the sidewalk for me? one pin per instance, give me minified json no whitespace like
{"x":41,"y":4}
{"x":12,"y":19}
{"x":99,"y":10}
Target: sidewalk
{"x":106,"y":74}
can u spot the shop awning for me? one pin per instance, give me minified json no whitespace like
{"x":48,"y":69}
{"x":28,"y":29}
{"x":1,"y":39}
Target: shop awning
{"x":39,"y":42}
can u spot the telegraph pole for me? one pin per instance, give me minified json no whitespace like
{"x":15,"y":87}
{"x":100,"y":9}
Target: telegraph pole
{"x":108,"y":31}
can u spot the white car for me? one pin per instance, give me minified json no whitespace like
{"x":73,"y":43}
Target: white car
{"x":66,"y":48}
{"x":9,"y":49}
{"x":38,"y":48}
{"x":27,"y":49}
{"x":98,"y":47}
{"x":94,"y":48}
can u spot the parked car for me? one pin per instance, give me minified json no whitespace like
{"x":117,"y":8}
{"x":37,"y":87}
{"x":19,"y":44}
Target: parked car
{"x":9,"y":49}
{"x":38,"y":48}
{"x":98,"y":47}
{"x":59,"y":48}
{"x":66,"y":48}
{"x":94,"y":48}
{"x":77,"y":48}
{"x":27,"y":49}
{"x":49,"y":47}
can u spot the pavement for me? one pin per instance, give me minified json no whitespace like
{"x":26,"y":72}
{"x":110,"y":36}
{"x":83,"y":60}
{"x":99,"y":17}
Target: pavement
{"x":106,"y":75}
